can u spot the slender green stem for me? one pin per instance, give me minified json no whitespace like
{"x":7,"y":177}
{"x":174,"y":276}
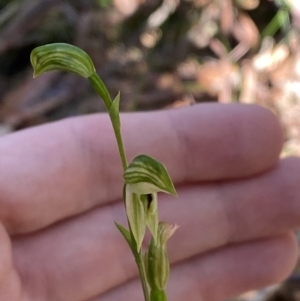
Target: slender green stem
{"x":60,"y":56}
{"x":101,"y":90}
{"x":142,"y":271}
{"x":121,"y":147}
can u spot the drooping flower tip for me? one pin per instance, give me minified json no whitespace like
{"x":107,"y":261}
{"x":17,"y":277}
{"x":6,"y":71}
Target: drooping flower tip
{"x":63,"y":57}
{"x":146,"y":175}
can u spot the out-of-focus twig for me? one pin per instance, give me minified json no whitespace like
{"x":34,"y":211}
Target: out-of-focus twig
{"x":29,"y":14}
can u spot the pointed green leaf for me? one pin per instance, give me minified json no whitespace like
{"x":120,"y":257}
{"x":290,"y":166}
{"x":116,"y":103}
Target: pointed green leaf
{"x":114,"y":112}
{"x":61,"y":56}
{"x":146,"y":175}
{"x":126,"y":235}
{"x":135,"y":210}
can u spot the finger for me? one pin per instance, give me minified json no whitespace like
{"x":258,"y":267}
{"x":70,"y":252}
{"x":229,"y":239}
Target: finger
{"x":209,"y":142}
{"x":203,"y":212}
{"x":59,"y":170}
{"x":73,"y":260}
{"x":223,"y":273}
{"x":10,"y":284}
{"x":216,"y":214}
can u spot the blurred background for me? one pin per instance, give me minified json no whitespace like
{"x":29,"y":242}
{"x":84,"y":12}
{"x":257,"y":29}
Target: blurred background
{"x":159,"y":54}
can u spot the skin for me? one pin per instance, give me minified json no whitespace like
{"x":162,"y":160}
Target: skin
{"x":60,"y":191}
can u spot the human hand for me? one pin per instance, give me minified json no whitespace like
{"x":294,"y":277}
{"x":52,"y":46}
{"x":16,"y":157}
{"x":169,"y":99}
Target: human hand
{"x":60,"y":191}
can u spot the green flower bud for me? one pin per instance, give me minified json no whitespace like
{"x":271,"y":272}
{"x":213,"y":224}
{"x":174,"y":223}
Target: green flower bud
{"x":61,"y":56}
{"x":158,"y":267}
{"x":156,"y":259}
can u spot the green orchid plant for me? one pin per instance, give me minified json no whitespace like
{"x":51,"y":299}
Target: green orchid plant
{"x":143,"y":178}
